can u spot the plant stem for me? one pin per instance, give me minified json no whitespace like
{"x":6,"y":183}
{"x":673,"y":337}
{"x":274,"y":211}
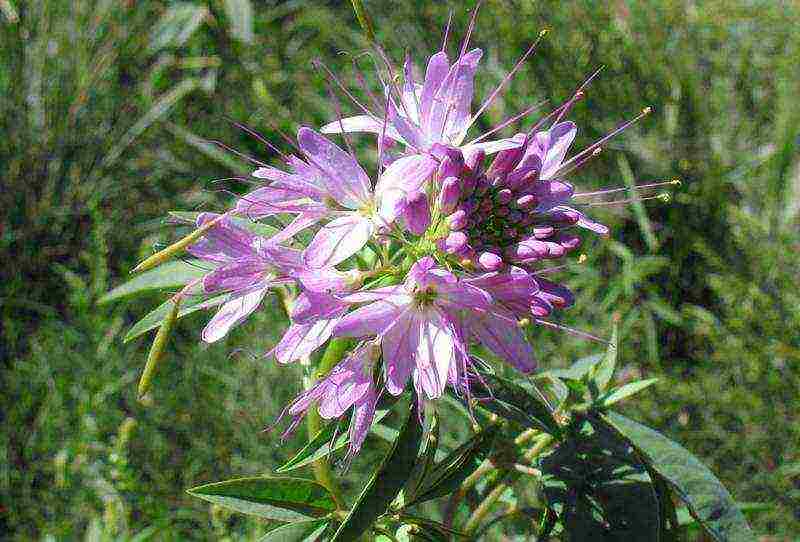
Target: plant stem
{"x":483,"y":469}
{"x":485,"y":506}
{"x":334,"y":353}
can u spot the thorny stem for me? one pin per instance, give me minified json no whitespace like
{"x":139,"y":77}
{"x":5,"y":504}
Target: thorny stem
{"x":490,"y":499}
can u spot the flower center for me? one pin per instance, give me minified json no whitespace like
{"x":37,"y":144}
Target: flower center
{"x":424,"y":298}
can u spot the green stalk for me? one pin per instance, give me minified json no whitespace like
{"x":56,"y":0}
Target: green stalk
{"x":486,"y":505}
{"x":364,"y":20}
{"x":334,"y":353}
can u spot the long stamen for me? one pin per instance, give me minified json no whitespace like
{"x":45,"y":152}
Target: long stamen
{"x":506,"y":79}
{"x":470,"y":28}
{"x":580,"y":163}
{"x":345,"y":91}
{"x":508,"y":122}
{"x":673,"y":182}
{"x":663,"y":196}
{"x":571,"y":331}
{"x":237,"y":153}
{"x":447,"y":31}
{"x":646,"y":111}
{"x":546,"y":271}
{"x":338,"y":110}
{"x":259,"y":137}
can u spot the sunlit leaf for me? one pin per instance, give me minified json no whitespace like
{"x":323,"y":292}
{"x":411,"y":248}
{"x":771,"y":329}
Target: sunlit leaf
{"x":168,"y":275}
{"x":280,"y":499}
{"x":618,"y":394}
{"x":176,"y":25}
{"x":240,"y":19}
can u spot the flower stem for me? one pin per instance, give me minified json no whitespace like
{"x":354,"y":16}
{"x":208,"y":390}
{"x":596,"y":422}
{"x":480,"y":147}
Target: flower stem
{"x":336,"y":350}
{"x":485,"y":506}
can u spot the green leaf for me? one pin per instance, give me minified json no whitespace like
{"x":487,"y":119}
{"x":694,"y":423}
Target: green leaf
{"x":280,"y":499}
{"x":320,"y":445}
{"x":176,"y":26}
{"x":618,"y":394}
{"x":692,"y":481}
{"x":427,"y":455}
{"x":189,"y":305}
{"x":301,"y":531}
{"x":603,"y":372}
{"x":578,"y":369}
{"x":600,"y":488}
{"x":386,"y":482}
{"x":168,"y":275}
{"x":522,"y":404}
{"x":240,"y":18}
{"x":448,"y":474}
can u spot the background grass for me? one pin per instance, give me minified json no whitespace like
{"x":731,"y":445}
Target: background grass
{"x":104,"y":111}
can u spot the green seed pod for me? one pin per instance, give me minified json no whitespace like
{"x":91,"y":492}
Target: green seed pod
{"x":157,"y":349}
{"x":164,"y":255}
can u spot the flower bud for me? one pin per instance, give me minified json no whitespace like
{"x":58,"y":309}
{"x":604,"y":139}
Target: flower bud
{"x":417,"y":213}
{"x":448,"y":197}
{"x":490,"y":261}
{"x":457,"y":220}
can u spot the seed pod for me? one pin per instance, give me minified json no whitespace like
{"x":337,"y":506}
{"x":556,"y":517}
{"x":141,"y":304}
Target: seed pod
{"x":157,"y":349}
{"x":163,"y":255}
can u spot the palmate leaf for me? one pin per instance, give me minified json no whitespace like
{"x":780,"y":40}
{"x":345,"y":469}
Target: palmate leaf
{"x":320,"y":445}
{"x":386,"y":482}
{"x":276,"y":498}
{"x":301,"y":531}
{"x":693,"y":482}
{"x":446,"y":475}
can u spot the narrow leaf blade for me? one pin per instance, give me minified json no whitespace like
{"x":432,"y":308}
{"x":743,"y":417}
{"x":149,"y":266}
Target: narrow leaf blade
{"x":623,"y":392}
{"x":280,"y":499}
{"x":168,"y":275}
{"x":189,"y":305}
{"x":301,"y":531}
{"x":385,"y":483}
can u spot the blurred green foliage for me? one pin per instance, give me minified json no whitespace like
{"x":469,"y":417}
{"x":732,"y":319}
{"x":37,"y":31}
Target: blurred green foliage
{"x":105,"y":109}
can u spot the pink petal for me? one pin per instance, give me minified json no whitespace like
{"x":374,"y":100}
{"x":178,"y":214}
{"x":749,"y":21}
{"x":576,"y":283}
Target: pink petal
{"x":344,"y":179}
{"x":560,"y":137}
{"x":401,"y":178}
{"x":491,"y":147}
{"x":224,"y":242}
{"x":399,"y":345}
{"x":451,"y":109}
{"x":500,"y":334}
{"x":435,"y":354}
{"x":338,"y":240}
{"x":362,"y":123}
{"x":438,"y":66}
{"x":232,"y":313}
{"x":300,"y":340}
{"x":369,"y":320}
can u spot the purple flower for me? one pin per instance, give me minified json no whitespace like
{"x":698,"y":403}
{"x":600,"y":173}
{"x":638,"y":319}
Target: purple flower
{"x":247,"y":266}
{"x":516,"y":210}
{"x":417,"y":324}
{"x":349,"y":384}
{"x":331,"y":184}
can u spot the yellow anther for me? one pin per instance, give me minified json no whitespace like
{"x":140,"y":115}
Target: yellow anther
{"x":582,"y":258}
{"x":647,"y":110}
{"x":676,"y":182}
{"x":665,"y":197}
{"x":543,"y":33}
{"x":523,"y":322}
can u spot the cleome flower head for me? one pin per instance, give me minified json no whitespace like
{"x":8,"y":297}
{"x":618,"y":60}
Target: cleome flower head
{"x":443,"y":249}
